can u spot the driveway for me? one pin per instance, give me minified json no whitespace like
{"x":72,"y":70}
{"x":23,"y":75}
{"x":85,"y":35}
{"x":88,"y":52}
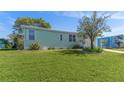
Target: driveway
{"x":116,"y":51}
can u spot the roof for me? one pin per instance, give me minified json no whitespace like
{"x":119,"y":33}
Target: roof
{"x":2,"y":39}
{"x":42,"y":29}
{"x":112,"y":36}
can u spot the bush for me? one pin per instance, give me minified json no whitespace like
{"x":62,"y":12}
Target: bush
{"x":51,"y":48}
{"x":94,"y":50}
{"x":76,"y":46}
{"x":99,"y":50}
{"x":9,"y":46}
{"x":35,"y":46}
{"x":7,"y":49}
{"x":21,"y":46}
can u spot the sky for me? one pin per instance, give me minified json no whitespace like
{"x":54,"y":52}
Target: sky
{"x":65,"y":20}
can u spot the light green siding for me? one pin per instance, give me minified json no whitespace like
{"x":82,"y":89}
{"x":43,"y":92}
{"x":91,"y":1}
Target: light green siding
{"x":49,"y":39}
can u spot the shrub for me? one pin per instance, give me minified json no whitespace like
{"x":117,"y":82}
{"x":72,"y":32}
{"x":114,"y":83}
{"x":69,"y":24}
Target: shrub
{"x":99,"y":50}
{"x":7,"y":49}
{"x":76,"y":46}
{"x":21,"y":46}
{"x":20,"y":43}
{"x":94,"y":50}
{"x":51,"y":48}
{"x":9,"y":46}
{"x":35,"y":46}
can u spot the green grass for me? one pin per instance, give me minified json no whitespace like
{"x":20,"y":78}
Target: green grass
{"x":60,"y":65}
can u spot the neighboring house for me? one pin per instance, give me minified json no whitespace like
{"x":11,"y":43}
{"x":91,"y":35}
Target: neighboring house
{"x":111,"y":41}
{"x":2,"y":43}
{"x":48,"y":38}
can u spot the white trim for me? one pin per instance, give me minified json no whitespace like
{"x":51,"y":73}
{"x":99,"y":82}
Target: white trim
{"x":50,"y":30}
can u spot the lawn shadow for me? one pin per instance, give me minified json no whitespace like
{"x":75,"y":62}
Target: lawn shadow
{"x":76,"y":52}
{"x":71,"y":52}
{"x":8,"y":49}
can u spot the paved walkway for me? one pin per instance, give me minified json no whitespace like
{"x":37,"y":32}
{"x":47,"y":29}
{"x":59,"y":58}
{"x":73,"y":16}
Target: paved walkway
{"x":116,"y":51}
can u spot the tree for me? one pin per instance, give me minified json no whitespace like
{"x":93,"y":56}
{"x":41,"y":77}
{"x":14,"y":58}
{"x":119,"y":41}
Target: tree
{"x":31,"y":21}
{"x":119,"y":40}
{"x":17,"y":35}
{"x":118,"y":43}
{"x":92,"y":27}
{"x":13,"y":38}
{"x":82,"y":37}
{"x":17,"y":41}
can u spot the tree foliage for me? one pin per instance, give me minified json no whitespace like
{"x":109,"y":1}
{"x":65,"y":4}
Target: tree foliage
{"x":93,"y":26}
{"x":31,"y":21}
{"x":17,"y":38}
{"x":17,"y":41}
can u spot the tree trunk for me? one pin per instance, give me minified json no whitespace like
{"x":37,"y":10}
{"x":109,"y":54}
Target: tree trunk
{"x":91,"y":45}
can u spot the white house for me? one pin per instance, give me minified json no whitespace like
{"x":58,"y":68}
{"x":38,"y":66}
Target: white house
{"x":48,"y":38}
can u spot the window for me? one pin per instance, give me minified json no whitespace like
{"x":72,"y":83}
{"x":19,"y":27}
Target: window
{"x":70,"y":38}
{"x":74,"y":38}
{"x":31,"y":35}
{"x":61,"y":37}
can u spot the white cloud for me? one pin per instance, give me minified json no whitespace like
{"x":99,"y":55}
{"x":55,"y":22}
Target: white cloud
{"x":4,"y":30}
{"x":118,"y":15}
{"x":115,"y":31}
{"x":6,"y":16}
{"x":118,"y":28}
{"x":74,"y":14}
{"x":79,"y":14}
{"x":2,"y":27}
{"x":11,"y":20}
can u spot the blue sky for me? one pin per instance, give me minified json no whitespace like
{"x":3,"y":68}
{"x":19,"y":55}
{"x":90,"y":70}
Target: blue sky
{"x":67,"y":21}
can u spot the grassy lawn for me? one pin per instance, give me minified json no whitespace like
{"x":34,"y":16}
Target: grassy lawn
{"x":61,"y":65}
